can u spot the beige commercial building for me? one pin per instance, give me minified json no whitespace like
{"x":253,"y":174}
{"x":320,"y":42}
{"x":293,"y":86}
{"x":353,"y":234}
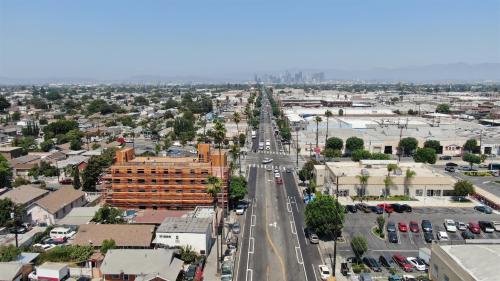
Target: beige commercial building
{"x":425,"y":182}
{"x":469,"y":262}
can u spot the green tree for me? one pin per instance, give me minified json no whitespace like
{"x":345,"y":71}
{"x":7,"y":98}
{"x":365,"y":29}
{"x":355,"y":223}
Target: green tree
{"x":95,"y":167}
{"x":317,"y":119}
{"x":20,"y":181}
{"x":463,"y":188}
{"x":363,"y":182}
{"x":409,"y":175}
{"x":108,"y":215}
{"x":141,"y":101}
{"x":328,"y":114}
{"x":434,"y":144}
{"x":184,"y":129}
{"x":331,"y":153}
{"x":334,"y":143}
{"x":380,"y":156}
{"x":5,"y":172}
{"x":75,"y":144}
{"x":359,"y":246}
{"x":46,"y":145}
{"x":325,"y":215}
{"x":425,"y":155}
{"x":242,"y":139}
{"x":380,"y":223}
{"x":353,"y":144}
{"x":16,"y":116}
{"x":59,"y":127}
{"x":4,"y":104}
{"x":76,"y":178}
{"x":443,"y":108}
{"x":9,"y":253}
{"x":186,"y":254}
{"x":107,"y":245}
{"x":238,"y":188}
{"x":471,"y":159}
{"x":470,"y":145}
{"x":237,"y":119}
{"x":408,"y":145}
{"x":360,"y":154}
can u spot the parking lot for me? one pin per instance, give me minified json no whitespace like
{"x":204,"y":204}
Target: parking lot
{"x":408,"y":242}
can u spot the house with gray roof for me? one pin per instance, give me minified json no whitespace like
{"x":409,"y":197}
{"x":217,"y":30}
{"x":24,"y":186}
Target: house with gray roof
{"x":141,"y":265}
{"x":182,"y":231}
{"x":25,"y":195}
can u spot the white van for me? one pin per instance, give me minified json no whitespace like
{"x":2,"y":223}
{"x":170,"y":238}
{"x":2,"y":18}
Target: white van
{"x":62,"y":233}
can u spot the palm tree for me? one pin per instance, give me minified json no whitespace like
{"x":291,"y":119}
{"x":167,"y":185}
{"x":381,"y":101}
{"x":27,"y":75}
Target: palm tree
{"x":363,"y":181}
{"x":203,"y":123}
{"x":214,"y":186}
{"x":235,"y":150}
{"x":237,"y":119}
{"x":328,"y":114}
{"x":408,"y":178}
{"x":388,"y":182}
{"x":317,"y":119}
{"x":219,"y":135}
{"x":391,"y":168}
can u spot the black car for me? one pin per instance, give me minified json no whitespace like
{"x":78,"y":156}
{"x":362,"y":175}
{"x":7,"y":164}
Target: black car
{"x":467,"y":234}
{"x":486,"y":226}
{"x":407,"y":208}
{"x":387,"y":261}
{"x":428,"y":236}
{"x":363,"y":207}
{"x":351,"y":208}
{"x":372,"y":263}
{"x":353,"y":260}
{"x":398,"y":207}
{"x":393,"y":237}
{"x":391,"y":226}
{"x":451,"y":164}
{"x":190,"y":273}
{"x":19,"y":230}
{"x":450,"y":169}
{"x":445,"y":157}
{"x":484,"y":209}
{"x":377,"y":210}
{"x":426,"y":226}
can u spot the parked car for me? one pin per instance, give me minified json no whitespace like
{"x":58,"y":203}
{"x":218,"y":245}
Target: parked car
{"x":443,"y":236}
{"x":66,"y":181}
{"x":372,"y":263}
{"x":450,"y":225}
{"x":397,"y":208}
{"x":451,"y":164}
{"x":417,"y":264}
{"x":313,"y":238}
{"x":267,"y":160}
{"x":387,"y":207}
{"x":461,"y":225}
{"x":363,"y":207}
{"x":486,"y":226}
{"x":365,"y":277}
{"x":402,"y":226}
{"x":467,"y":234}
{"x":190,"y":273}
{"x":387,"y":261}
{"x":18,"y":230}
{"x":426,"y":225}
{"x":450,"y":169}
{"x":407,"y":208}
{"x":351,"y":208}
{"x":414,"y":226}
{"x":393,"y":237}
{"x":391,"y":226}
{"x":279,"y":181}
{"x":484,"y":209}
{"x":445,"y":157}
{"x":377,"y":210}
{"x":344,"y":269}
{"x":324,"y":271}
{"x":403,"y":263}
{"x":474,"y":227}
{"x":428,"y":236}
{"x":236,"y":228}
{"x":240,"y":209}
{"x":496,"y":225}
{"x":395,"y":277}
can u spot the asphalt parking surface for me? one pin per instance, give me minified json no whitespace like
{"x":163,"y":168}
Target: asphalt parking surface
{"x":408,"y":242}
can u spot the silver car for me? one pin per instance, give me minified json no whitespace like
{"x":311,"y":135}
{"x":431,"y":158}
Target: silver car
{"x":236,"y":228}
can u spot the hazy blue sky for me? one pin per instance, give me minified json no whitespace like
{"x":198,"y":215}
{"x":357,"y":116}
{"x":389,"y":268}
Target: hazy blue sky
{"x":117,"y":39}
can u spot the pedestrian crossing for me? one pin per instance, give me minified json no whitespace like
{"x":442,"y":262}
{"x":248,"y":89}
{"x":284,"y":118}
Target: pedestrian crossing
{"x":272,"y":152}
{"x":267,"y":166}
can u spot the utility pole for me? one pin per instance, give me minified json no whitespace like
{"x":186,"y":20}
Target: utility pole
{"x":401,"y":127}
{"x":13,"y":217}
{"x":334,"y":265}
{"x":297,"y":144}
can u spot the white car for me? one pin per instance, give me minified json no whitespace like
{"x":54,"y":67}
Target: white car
{"x":277,"y":175}
{"x":267,"y":160}
{"x":269,"y":168}
{"x":276,"y":170}
{"x":44,"y":247}
{"x":450,"y":225}
{"x":324,"y":271}
{"x":461,"y":225}
{"x":418,"y":264}
{"x":443,"y":236}
{"x":496,"y":225}
{"x":240,"y":209}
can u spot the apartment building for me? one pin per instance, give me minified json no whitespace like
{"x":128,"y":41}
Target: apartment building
{"x":165,"y":182}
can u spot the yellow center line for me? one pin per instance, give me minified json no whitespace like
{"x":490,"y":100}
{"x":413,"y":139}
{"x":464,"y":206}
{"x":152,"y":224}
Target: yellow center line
{"x":268,"y":236}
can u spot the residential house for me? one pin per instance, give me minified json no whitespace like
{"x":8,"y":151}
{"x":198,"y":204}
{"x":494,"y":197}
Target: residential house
{"x":192,"y":231}
{"x":11,"y":271}
{"x":10,"y":152}
{"x":125,"y":235}
{"x":56,"y":205}
{"x":25,"y":195}
{"x":141,"y":265}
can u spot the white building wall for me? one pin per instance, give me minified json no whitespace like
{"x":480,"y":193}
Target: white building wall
{"x":40,"y":215}
{"x":199,"y":241}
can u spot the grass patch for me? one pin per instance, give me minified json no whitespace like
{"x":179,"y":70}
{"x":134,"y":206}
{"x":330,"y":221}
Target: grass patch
{"x":359,"y":268}
{"x":378,"y":232}
{"x":388,"y":198}
{"x":478,"y":173}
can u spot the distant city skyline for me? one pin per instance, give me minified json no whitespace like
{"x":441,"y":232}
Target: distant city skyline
{"x":233,"y":40}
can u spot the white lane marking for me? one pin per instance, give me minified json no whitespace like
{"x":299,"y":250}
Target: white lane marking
{"x":251,"y":275}
{"x":314,"y":271}
{"x":298,"y":253}
{"x":387,"y":250}
{"x":251,"y":245}
{"x":294,"y":229}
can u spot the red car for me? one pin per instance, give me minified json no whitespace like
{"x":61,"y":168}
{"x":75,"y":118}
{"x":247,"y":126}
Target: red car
{"x":414,"y":226}
{"x":474,"y":227}
{"x":387,"y":207}
{"x":403,"y":263}
{"x":279,"y":181}
{"x":402,"y":226}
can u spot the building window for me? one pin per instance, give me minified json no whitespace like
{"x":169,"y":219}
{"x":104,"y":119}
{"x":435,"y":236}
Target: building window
{"x":178,"y":181}
{"x":141,"y":180}
{"x":125,"y":276}
{"x":140,"y":171}
{"x":165,"y":181}
{"x":129,"y":180}
{"x":192,"y":171}
{"x":193,"y":191}
{"x":153,"y":181}
{"x":153,"y":171}
{"x":204,"y":172}
{"x":193,"y":181}
{"x":114,"y":276}
{"x":178,"y":191}
{"x":177,"y":171}
{"x":154,"y":190}
{"x":116,"y":180}
{"x":419,"y":192}
{"x":142,"y":190}
{"x":129,"y":171}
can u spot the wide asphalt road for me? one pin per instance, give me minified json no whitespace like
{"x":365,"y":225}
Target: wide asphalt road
{"x":273,"y":243}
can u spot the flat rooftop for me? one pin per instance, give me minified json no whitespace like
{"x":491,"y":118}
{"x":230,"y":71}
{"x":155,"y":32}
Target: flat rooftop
{"x":484,"y":268}
{"x":184,"y":225}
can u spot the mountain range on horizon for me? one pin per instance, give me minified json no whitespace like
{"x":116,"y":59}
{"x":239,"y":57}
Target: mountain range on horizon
{"x":436,"y":73}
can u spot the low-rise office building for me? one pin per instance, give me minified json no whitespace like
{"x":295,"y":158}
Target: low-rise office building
{"x":425,"y":182}
{"x":192,"y":231}
{"x":469,"y":262}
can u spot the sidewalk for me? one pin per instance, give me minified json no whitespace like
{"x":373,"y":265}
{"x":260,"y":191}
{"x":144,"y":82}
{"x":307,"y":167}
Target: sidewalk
{"x":421,"y":202}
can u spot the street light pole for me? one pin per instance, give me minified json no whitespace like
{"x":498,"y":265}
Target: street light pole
{"x":297,"y":145}
{"x":13,"y":217}
{"x":334,"y":265}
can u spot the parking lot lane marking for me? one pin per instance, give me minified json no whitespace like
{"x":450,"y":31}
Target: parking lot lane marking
{"x":399,"y":237}
{"x":289,"y":207}
{"x":292,"y":226}
{"x":251,"y":242}
{"x":298,"y":253}
{"x":251,"y":275}
{"x":411,"y":240}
